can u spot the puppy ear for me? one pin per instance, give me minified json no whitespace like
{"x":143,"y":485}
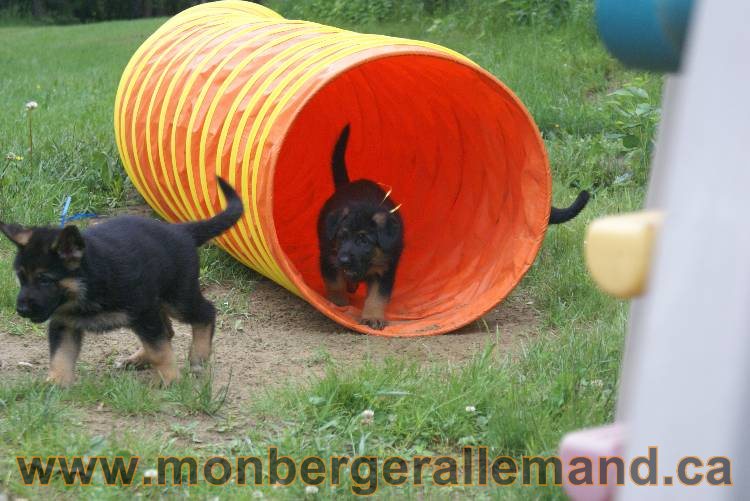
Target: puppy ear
{"x":69,"y":245}
{"x":16,"y":233}
{"x":389,"y":230}
{"x":333,"y":222}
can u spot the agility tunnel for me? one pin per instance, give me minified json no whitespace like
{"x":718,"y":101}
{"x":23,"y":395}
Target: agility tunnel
{"x":231,"y":88}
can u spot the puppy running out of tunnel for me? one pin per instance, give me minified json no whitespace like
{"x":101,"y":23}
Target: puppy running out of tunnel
{"x":361,"y":236}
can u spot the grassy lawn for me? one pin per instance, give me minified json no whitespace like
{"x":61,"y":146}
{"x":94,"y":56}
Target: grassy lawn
{"x":563,"y":379}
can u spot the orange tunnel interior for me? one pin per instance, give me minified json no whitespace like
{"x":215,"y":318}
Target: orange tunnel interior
{"x":462,"y":157}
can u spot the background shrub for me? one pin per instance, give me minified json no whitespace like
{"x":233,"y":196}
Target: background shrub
{"x":74,"y":11}
{"x":481,"y":13}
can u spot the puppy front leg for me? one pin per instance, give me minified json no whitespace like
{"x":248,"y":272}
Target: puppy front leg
{"x":135,"y":361}
{"x":64,"y":347}
{"x":335,"y":283}
{"x":139,"y":360}
{"x":160,"y":355}
{"x":157,"y":347}
{"x":378,"y":295}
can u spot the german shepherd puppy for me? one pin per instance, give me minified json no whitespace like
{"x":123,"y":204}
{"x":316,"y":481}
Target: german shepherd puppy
{"x":126,"y":272}
{"x":360,"y":236}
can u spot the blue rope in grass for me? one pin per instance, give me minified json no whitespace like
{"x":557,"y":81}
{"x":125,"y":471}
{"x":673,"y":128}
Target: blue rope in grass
{"x":75,"y":217}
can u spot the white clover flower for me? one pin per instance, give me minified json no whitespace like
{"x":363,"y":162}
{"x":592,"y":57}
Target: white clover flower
{"x":31,"y":105}
{"x":471,"y":408}
{"x":258,"y":495}
{"x":311,"y":490}
{"x":368,"y":416}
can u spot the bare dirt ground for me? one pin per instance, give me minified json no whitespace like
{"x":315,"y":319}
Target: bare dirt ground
{"x":265,"y":339}
{"x":283,"y":340}
{"x":278,"y":340}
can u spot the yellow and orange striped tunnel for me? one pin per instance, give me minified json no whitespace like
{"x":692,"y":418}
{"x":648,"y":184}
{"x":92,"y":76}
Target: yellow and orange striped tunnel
{"x":231,"y":88}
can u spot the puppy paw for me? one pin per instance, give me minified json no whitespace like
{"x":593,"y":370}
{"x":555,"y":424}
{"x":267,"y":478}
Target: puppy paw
{"x":121,"y":364}
{"x":135,"y":361}
{"x":339,"y":299}
{"x":374,"y":323}
{"x":61,"y":379}
{"x":165,"y":377}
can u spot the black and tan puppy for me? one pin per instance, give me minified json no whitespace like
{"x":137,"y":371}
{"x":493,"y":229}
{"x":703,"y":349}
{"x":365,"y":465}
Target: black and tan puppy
{"x":126,"y":272}
{"x":360,"y":234}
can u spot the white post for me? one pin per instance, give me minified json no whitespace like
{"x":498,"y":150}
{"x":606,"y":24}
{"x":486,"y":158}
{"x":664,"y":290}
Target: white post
{"x":687,"y":372}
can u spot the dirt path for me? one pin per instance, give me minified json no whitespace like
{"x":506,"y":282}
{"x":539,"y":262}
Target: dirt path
{"x":265,"y":339}
{"x":283,"y":339}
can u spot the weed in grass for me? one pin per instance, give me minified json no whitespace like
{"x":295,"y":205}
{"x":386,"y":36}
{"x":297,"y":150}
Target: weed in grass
{"x":227,"y":424}
{"x":319,"y":356}
{"x":218,"y":268}
{"x":185,"y":431}
{"x":636,"y":119}
{"x":28,"y":407}
{"x":196,"y":393}
{"x":15,"y":327}
{"x":10,"y":172}
{"x":30,"y":107}
{"x":132,"y":392}
{"x":126,"y":392}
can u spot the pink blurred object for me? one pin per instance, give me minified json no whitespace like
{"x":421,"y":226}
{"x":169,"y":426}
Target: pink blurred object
{"x":594,"y":443}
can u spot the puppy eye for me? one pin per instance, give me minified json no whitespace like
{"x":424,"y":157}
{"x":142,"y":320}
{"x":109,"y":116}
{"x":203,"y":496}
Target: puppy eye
{"x":361,"y":239}
{"x":45,"y":280}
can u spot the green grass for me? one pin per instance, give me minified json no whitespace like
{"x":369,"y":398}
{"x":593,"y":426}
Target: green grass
{"x":563,"y":380}
{"x":128,"y":392}
{"x":72,"y":72}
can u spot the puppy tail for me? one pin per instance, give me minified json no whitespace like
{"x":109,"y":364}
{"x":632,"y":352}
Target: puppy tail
{"x":338,"y":162}
{"x":557,"y":216}
{"x":203,"y":231}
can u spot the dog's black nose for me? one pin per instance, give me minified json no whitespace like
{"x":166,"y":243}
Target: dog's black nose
{"x":344,"y":259}
{"x":24,"y":309}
